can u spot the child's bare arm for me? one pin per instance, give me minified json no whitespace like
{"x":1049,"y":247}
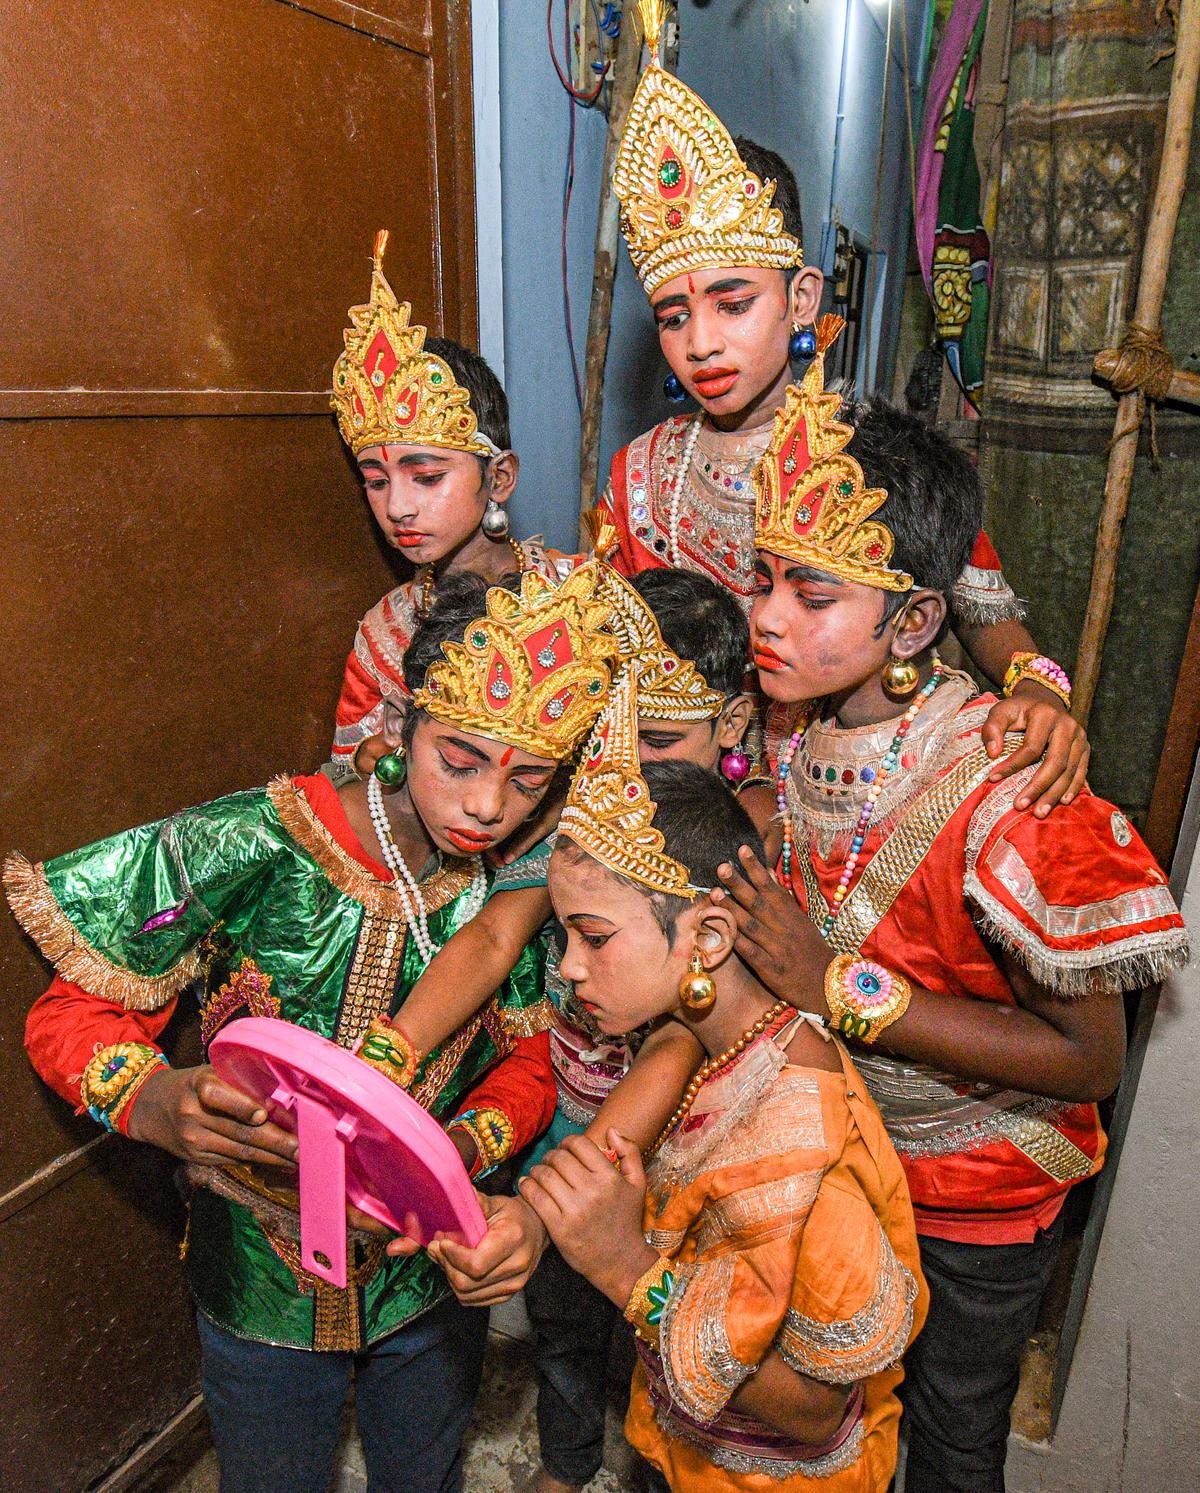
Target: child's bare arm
{"x":781,"y":1397}
{"x":645,"y":1099}
{"x":473,"y":964}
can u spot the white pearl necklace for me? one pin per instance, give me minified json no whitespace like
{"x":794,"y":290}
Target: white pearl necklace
{"x":406,"y":883}
{"x":681,"y":476}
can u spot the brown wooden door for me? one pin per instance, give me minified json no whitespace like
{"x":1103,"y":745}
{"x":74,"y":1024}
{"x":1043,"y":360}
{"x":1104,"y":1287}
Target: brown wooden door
{"x":190,"y":195}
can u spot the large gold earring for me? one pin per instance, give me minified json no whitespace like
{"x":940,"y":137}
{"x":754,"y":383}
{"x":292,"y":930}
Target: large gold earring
{"x":697,"y":990}
{"x":900,"y":677}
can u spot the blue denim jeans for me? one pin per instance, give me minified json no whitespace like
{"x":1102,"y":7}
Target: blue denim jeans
{"x":276,"y":1412}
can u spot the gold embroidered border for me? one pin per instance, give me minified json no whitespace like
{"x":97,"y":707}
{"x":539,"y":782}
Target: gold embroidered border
{"x":1049,"y":1149}
{"x":897,"y":859}
{"x":37,"y":910}
{"x":354,"y":881}
{"x":699,"y":1364}
{"x":371,"y":982}
{"x":529,"y":1021}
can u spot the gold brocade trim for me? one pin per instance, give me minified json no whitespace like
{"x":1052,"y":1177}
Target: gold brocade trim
{"x":431,"y":1083}
{"x":1048,"y":1148}
{"x":529,"y":1021}
{"x":337,"y":1315}
{"x":37,"y":910}
{"x":355,"y":881}
{"x":891,"y":867}
{"x":371,"y":981}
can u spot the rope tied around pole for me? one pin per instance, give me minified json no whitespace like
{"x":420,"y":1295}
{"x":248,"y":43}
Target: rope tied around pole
{"x":1140,"y":364}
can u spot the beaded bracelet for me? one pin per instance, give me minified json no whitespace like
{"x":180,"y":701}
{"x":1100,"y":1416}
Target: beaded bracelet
{"x":493,"y":1134}
{"x":648,"y":1300}
{"x":1041,"y":670}
{"x":114,"y":1076}
{"x":387,"y":1049}
{"x":864,"y":998}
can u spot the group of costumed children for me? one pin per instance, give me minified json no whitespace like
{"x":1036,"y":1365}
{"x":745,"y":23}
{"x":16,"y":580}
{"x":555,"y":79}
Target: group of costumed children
{"x":796,"y":1079}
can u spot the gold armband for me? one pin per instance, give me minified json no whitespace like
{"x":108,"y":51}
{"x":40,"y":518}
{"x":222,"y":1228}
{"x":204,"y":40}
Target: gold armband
{"x":114,"y":1076}
{"x":648,"y":1300}
{"x":386,"y":1048}
{"x":493,"y":1134}
{"x":1041,"y":670}
{"x":864,"y":998}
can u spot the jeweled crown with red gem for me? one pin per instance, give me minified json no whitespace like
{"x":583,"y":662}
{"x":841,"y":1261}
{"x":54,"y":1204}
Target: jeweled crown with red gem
{"x":388,"y":391}
{"x":688,"y":200}
{"x":813,"y":503}
{"x":669,"y":688}
{"x":534,"y":672}
{"x":609,"y":811}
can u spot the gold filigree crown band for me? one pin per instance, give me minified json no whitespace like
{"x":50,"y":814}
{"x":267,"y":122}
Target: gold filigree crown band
{"x":388,"y":391}
{"x":688,"y":200}
{"x":534,"y":672}
{"x":669,"y":688}
{"x":609,"y":811}
{"x":813,"y":503}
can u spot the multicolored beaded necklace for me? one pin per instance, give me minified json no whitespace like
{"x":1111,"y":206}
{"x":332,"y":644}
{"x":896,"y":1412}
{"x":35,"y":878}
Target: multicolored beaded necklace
{"x":891,"y":760}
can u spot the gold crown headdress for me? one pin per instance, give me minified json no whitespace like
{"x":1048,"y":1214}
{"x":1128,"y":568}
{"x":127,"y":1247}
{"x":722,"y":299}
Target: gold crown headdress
{"x":813,"y":505}
{"x":688,"y":200}
{"x":609,"y":810}
{"x":669,"y":688}
{"x":534,"y":672}
{"x":387,"y":390}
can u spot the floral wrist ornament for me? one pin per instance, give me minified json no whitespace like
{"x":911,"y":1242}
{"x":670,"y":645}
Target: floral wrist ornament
{"x":493,"y":1134}
{"x":114,"y":1076}
{"x":1041,"y":670}
{"x":863,"y":998}
{"x":386,"y":1048}
{"x":648,"y":1300}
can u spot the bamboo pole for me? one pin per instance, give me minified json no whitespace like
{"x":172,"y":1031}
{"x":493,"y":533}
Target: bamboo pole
{"x":625,"y":76}
{"x":1156,"y":259}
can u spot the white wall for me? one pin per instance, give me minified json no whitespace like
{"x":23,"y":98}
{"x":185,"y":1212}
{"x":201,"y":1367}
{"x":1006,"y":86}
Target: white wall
{"x":1130,"y":1421}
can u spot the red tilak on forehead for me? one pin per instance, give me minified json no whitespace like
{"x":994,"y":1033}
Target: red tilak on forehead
{"x":384,"y":450}
{"x":691,"y":285}
{"x":506,"y":756}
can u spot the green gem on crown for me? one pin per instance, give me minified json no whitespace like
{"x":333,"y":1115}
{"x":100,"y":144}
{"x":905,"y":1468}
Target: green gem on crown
{"x":435,"y":377}
{"x":478,"y":639}
{"x":845,"y":488}
{"x":669,"y":173}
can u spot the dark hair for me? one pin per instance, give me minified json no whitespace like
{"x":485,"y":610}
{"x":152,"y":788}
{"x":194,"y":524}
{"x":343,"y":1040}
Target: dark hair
{"x":457,"y":602}
{"x":934,"y":505}
{"x":701,"y":622}
{"x":702,"y":825}
{"x":768,"y":166}
{"x":488,"y":399}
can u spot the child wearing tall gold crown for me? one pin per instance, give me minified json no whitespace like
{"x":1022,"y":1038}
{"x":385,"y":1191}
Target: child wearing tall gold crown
{"x":713,"y":228}
{"x":765,"y":1252}
{"x":322,"y":906}
{"x":426,"y":420}
{"x":973,"y":954}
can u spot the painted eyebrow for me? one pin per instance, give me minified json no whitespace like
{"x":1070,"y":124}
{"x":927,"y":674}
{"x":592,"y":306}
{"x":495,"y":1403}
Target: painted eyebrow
{"x":465,"y":746}
{"x":422,"y":459}
{"x":595,"y":917}
{"x":668,"y":301}
{"x":811,"y":573}
{"x":719,"y":287}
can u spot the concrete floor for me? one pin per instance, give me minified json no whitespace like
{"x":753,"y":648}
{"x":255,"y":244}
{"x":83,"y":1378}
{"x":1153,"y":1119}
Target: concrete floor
{"x":502,"y":1446}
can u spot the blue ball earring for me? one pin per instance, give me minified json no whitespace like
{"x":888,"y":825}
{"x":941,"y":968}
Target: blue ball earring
{"x":802,"y":344}
{"x":673,"y":389}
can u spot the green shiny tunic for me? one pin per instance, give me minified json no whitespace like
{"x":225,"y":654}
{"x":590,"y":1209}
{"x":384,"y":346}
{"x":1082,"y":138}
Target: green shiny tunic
{"x":277,"y":919}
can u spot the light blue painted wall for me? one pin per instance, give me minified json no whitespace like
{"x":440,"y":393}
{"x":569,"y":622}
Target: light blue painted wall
{"x":770,"y":69}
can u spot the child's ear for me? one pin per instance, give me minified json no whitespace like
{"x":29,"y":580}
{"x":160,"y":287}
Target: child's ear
{"x":735,"y":721}
{"x":805,"y":295}
{"x":716,"y":933}
{"x":502,"y":474}
{"x":918,"y":625}
{"x":394,"y":715}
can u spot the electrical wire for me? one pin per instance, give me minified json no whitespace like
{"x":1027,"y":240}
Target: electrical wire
{"x":568,"y":187}
{"x":577,"y":94}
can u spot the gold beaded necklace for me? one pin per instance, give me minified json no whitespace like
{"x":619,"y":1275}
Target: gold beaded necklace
{"x":425,"y":593}
{"x":707,"y":1069}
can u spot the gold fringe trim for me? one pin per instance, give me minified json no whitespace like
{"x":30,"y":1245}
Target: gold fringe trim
{"x":37,"y":910}
{"x":355,"y":881}
{"x":529,"y":1021}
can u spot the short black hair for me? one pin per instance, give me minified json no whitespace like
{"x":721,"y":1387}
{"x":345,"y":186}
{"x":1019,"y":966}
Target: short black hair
{"x":488,"y":399}
{"x":934,"y":505}
{"x":702,"y":824}
{"x":767,"y":165}
{"x":701,"y":622}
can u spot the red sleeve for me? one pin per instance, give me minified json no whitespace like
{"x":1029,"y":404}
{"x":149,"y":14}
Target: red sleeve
{"x":359,"y":698}
{"x":1077,"y":897}
{"x":616,"y":501}
{"x":521,"y":1086}
{"x":983,"y":555}
{"x":67,"y":1026}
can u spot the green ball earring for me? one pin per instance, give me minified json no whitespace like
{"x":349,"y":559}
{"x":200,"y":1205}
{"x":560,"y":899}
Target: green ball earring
{"x":390,"y":770}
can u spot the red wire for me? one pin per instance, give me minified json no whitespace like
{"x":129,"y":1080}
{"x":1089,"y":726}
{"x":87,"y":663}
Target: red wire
{"x":576,"y":93}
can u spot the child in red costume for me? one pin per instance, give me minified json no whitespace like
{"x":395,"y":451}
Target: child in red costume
{"x":974,"y":954}
{"x":731,"y":299}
